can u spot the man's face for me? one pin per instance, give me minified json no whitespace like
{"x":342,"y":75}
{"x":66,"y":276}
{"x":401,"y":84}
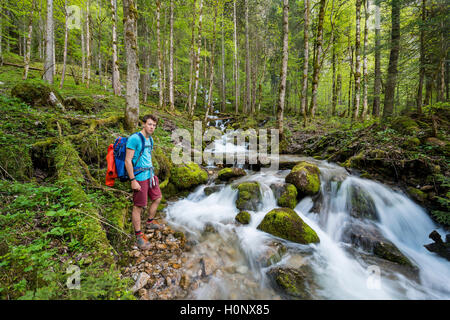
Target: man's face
{"x":150,"y":126}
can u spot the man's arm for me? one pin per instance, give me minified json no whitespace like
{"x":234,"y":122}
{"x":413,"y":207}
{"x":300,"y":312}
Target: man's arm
{"x":129,"y":167}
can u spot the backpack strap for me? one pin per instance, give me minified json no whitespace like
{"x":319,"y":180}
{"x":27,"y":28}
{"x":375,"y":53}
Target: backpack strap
{"x":140,"y":170}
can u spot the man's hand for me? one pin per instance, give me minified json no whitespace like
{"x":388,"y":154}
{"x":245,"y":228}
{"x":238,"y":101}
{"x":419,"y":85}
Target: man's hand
{"x":135,"y":185}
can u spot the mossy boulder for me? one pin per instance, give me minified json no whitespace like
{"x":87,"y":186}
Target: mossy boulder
{"x":417,"y":194}
{"x":295,"y":283}
{"x":286,"y":194}
{"x":187,"y":176}
{"x":360,"y":204}
{"x":249,"y":196}
{"x":390,"y":252}
{"x":411,"y":143}
{"x":286,"y":223}
{"x":305,"y":177}
{"x":37,"y":94}
{"x":211,"y":189}
{"x":405,"y":125}
{"x":243,"y":217}
{"x":228,"y":173}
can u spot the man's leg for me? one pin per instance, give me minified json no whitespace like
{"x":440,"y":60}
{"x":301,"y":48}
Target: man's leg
{"x":153,"y":207}
{"x":136,"y":218}
{"x":139,"y":202}
{"x":155,"y":195}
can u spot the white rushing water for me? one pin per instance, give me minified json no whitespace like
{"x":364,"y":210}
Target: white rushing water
{"x":339,"y":270}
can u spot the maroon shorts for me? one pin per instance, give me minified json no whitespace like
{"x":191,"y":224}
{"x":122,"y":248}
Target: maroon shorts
{"x":140,"y":197}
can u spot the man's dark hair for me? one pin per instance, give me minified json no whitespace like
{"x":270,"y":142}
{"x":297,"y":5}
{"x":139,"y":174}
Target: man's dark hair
{"x":149,"y":116}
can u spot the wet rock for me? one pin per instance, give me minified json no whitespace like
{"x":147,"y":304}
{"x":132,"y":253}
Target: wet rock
{"x":249,"y":196}
{"x":231,"y":173}
{"x":286,"y":223}
{"x":209,"y":265}
{"x":272,"y":255}
{"x":440,"y":247}
{"x":295,"y":283}
{"x":360,"y":204}
{"x":211,"y":189}
{"x":243,"y":217}
{"x":286,"y":194}
{"x":367,"y":237}
{"x":141,"y":281}
{"x":305,"y":177}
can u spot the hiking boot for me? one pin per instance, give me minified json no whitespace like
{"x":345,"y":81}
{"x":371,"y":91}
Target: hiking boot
{"x":153,"y":225}
{"x":142,"y":242}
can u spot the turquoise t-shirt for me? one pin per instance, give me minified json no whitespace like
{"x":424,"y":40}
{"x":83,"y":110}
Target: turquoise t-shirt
{"x":134,"y":142}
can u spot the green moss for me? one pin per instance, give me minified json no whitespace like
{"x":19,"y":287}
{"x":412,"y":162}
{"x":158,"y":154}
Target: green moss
{"x":249,"y":196}
{"x":188,"y":175}
{"x":243,"y":217}
{"x":292,"y":282}
{"x":405,"y":125}
{"x":88,"y":229}
{"x":285,"y":223}
{"x":390,"y":252}
{"x":228,"y":173}
{"x":34,"y":93}
{"x":305,"y":177}
{"x":411,"y":143}
{"x":288,"y":197}
{"x":417,"y":194}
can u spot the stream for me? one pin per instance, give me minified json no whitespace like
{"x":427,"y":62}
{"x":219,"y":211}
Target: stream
{"x":229,"y":254}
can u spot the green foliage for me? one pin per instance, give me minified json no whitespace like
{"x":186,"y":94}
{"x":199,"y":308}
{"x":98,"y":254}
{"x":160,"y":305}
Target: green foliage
{"x":38,"y":242}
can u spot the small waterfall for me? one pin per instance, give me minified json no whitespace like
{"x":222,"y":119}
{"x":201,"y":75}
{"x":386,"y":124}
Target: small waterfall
{"x":339,"y":269}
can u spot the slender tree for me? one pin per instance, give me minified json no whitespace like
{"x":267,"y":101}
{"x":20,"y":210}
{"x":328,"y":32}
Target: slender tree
{"x":377,"y":78}
{"x":160,"y":58}
{"x":247,"y":62}
{"x":357,"y":73}
{"x":317,"y":59}
{"x":28,"y":46}
{"x":171,"y":94}
{"x":284,"y":63}
{"x":130,"y":15}
{"x":115,"y":64}
{"x":48,"y":65}
{"x":365,"y":71}
{"x":197,"y":62}
{"x":236,"y":61}
{"x":304,"y":91}
{"x":66,"y":41}
{"x":391,"y":80}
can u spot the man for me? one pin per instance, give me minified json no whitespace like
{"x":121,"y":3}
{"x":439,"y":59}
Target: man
{"x":143,"y":181}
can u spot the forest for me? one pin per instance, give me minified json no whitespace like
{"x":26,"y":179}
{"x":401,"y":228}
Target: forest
{"x":358,"y":88}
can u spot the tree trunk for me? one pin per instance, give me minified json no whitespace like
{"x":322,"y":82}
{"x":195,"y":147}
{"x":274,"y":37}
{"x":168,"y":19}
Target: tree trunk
{"x":160,"y":67}
{"x":393,"y":60}
{"x":48,"y":65}
{"x":247,"y":62}
{"x":377,"y":80}
{"x":209,"y":108}
{"x":284,"y":62}
{"x":116,"y":75}
{"x":28,"y":46}
{"x":193,"y":59}
{"x":317,"y":59}
{"x":334,"y":91}
{"x":441,"y":96}
{"x":88,"y":47}
{"x":304,"y":93}
{"x":236,"y":62}
{"x":171,"y":94}
{"x":365,"y":80}
{"x":130,"y":16}
{"x":357,"y":61}
{"x":83,"y":57}
{"x":66,"y":40}
{"x":224,"y":97}
{"x":197,"y":62}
